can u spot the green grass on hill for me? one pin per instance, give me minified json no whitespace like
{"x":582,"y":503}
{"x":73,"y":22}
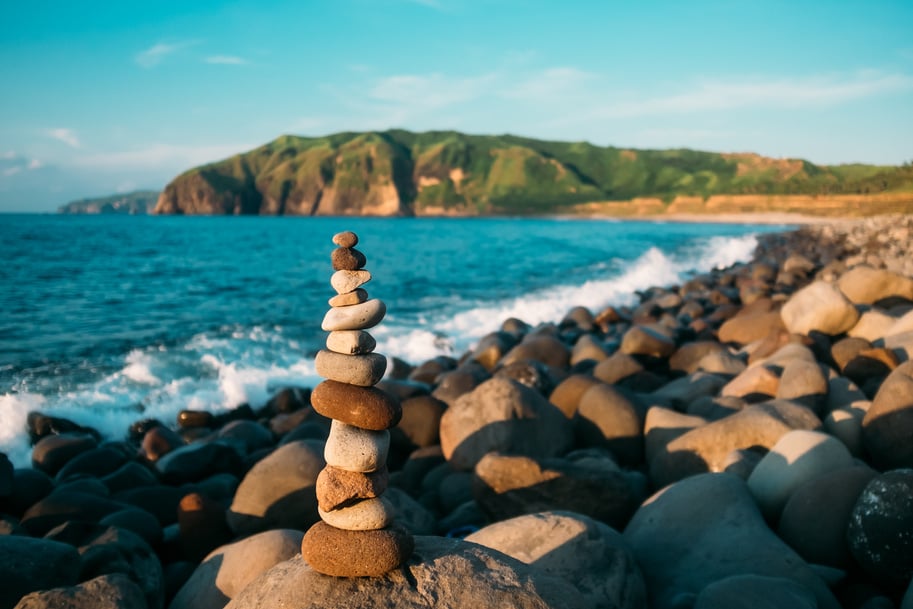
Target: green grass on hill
{"x":464,"y":173}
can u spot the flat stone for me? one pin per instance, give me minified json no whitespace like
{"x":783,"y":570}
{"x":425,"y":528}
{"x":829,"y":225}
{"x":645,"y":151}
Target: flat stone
{"x":347,"y":281}
{"x":363,"y":370}
{"x":355,"y":449}
{"x":347,"y":259}
{"x":351,"y":342}
{"x":342,"y":553}
{"x":349,"y":298}
{"x":345,"y":239}
{"x":365,"y":515}
{"x":365,"y":407}
{"x":338,"y":488}
{"x":354,"y":317}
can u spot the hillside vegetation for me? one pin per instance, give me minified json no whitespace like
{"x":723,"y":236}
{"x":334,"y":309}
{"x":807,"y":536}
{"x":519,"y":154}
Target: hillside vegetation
{"x":445,"y":172}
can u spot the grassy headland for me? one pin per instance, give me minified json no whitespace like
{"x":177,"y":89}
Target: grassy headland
{"x":398,"y":172}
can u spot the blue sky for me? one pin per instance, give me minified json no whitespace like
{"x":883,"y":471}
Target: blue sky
{"x":99,"y":97}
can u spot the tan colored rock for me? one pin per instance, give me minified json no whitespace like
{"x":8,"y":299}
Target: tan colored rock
{"x":872,"y":325}
{"x":865,"y":285}
{"x":362,"y":370}
{"x":647,"y":340}
{"x":819,"y":306}
{"x":351,"y":342}
{"x":348,"y":281}
{"x":354,"y":317}
{"x":338,"y":487}
{"x":587,"y":348}
{"x":758,"y":380}
{"x":616,"y":367}
{"x":606,"y":418}
{"x":744,"y":329}
{"x":364,"y":515}
{"x":705,"y":448}
{"x":349,"y":298}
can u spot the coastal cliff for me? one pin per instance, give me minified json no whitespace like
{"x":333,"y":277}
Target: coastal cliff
{"x":400,"y":173}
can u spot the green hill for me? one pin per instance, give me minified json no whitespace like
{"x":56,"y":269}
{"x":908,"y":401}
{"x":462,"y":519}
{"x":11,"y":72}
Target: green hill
{"x":137,"y":202}
{"x":398,"y":172}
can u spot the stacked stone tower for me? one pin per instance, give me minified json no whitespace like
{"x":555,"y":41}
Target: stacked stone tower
{"x":356,"y":536}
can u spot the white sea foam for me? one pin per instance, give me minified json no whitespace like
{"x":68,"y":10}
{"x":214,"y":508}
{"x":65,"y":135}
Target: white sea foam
{"x":208,"y":372}
{"x":453,"y":334}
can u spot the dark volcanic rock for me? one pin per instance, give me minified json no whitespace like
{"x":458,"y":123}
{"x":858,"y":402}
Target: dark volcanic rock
{"x":880,"y":532}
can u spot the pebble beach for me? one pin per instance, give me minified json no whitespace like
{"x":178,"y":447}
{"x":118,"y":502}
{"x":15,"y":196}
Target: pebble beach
{"x":743,"y":439}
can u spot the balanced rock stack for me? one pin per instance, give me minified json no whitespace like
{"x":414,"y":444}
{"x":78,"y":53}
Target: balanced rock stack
{"x":356,"y":536}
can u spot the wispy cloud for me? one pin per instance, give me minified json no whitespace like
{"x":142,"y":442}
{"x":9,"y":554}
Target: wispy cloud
{"x":812,"y":91}
{"x":430,"y":91}
{"x":154,"y":55}
{"x":551,"y":83}
{"x":435,"y":4}
{"x":67,"y":136}
{"x":228,"y":60}
{"x":34,"y":164}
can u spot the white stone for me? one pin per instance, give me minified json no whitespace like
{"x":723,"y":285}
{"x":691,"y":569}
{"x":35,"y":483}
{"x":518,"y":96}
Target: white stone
{"x":354,"y":317}
{"x":347,"y":281}
{"x":355,"y":449}
{"x":366,"y":515}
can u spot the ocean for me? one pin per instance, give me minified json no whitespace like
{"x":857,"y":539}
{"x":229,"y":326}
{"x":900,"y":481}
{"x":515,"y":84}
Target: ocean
{"x":109,"y":319}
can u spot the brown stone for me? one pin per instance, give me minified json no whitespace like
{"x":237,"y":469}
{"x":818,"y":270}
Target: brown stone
{"x":351,"y":342}
{"x":566,"y":396}
{"x":345,"y":239}
{"x":337,"y":487}
{"x":340,"y":553}
{"x":744,"y":329}
{"x":347,"y":259}
{"x":358,"y":296}
{"x":364,"y":407}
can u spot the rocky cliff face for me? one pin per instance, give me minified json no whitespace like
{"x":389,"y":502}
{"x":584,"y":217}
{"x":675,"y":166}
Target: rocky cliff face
{"x":362,"y":177}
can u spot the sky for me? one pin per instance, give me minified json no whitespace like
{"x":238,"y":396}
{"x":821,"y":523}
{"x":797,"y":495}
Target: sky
{"x":104,"y":97}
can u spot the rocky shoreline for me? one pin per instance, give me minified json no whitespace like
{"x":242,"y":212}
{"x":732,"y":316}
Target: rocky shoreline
{"x":744,"y":439}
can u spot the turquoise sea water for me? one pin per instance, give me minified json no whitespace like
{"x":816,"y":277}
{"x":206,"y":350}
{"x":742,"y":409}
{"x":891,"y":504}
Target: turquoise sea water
{"x":108,"y":319}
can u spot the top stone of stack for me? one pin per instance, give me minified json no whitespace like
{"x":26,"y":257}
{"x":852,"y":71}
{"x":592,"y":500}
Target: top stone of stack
{"x":345,"y":239}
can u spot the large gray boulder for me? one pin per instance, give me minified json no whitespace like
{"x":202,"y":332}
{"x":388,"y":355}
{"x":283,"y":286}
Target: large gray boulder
{"x":442,"y":572}
{"x":590,"y":555}
{"x":505,"y":416}
{"x":279,"y":491}
{"x":227,"y":570}
{"x":704,"y":529}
